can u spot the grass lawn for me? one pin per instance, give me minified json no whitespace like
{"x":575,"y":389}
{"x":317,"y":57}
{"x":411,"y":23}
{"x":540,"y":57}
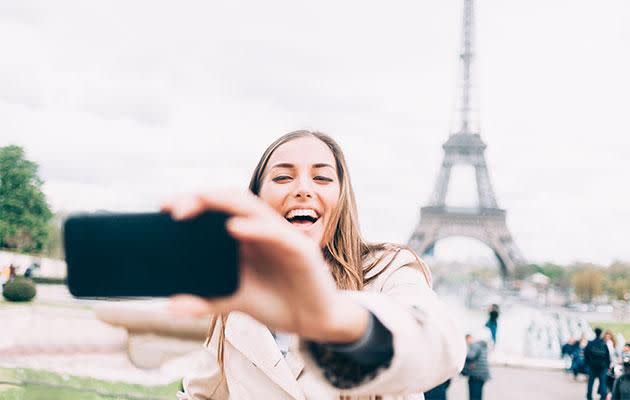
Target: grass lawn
{"x":28,"y":384}
{"x":616,"y":327}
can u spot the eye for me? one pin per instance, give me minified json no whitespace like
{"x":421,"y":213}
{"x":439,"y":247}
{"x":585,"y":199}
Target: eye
{"x":281,"y":178}
{"x":323,"y":178}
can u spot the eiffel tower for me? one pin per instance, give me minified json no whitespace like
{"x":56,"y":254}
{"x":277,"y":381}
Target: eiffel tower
{"x":485,"y":222}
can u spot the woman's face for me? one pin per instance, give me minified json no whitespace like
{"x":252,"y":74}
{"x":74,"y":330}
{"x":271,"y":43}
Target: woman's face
{"x":300,"y":182}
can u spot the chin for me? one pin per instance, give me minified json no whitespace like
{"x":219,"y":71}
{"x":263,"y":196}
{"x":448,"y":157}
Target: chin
{"x":316,"y":237}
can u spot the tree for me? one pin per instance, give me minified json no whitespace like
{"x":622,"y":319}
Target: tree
{"x":588,"y":283}
{"x":617,"y":284}
{"x":24,"y":211}
{"x":523,"y":271}
{"x":557,"y":274}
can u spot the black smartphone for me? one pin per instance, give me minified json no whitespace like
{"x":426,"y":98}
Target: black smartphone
{"x":149,"y":255}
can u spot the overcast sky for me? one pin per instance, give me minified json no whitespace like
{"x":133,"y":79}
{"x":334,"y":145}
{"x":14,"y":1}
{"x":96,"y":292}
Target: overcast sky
{"x":123,"y":103}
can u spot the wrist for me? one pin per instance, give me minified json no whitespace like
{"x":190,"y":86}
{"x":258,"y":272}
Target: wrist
{"x":346,"y":322}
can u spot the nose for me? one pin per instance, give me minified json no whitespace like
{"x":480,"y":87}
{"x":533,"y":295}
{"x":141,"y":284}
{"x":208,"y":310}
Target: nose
{"x":304,"y":189}
{"x":303,"y":194}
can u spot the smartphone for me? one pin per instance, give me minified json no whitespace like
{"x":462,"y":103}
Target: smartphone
{"x":149,"y":255}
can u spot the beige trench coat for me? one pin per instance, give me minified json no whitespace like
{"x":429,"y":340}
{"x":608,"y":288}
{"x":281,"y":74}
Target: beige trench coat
{"x":429,"y":347}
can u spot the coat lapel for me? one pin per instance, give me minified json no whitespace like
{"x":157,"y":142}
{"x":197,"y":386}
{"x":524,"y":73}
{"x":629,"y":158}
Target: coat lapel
{"x":294,"y":359}
{"x":256,"y":343}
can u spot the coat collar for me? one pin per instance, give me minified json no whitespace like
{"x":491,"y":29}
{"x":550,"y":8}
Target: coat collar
{"x":257,"y":344}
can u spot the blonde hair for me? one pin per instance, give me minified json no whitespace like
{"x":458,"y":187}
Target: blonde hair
{"x":344,"y":250}
{"x":610,"y":333}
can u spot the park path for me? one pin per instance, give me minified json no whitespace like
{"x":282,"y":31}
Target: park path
{"x":523,"y":384}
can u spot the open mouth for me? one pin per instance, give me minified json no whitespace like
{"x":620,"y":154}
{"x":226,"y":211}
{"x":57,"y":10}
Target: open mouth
{"x":303,"y":217}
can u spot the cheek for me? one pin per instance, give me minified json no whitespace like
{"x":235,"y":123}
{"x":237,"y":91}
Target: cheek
{"x":331,"y":199}
{"x":272,"y":195}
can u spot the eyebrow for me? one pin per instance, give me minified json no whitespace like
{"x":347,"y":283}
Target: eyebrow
{"x":288,"y":165}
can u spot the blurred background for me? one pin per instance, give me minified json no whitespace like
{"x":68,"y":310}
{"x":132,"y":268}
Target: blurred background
{"x":119,"y":106}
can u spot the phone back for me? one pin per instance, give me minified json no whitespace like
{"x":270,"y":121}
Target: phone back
{"x":149,"y":255}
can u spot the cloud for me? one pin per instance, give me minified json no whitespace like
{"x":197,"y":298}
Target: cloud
{"x":124,"y":104}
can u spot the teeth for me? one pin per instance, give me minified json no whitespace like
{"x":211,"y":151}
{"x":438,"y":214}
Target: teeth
{"x":301,"y":212}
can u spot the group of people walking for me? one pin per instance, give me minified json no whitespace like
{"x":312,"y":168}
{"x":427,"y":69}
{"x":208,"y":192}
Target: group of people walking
{"x":602,"y":360}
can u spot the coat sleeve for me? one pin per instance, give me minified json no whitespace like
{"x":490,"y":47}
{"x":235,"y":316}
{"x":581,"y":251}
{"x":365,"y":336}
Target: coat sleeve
{"x":429,"y":346}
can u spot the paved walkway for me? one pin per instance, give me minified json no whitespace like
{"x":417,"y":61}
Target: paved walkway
{"x":523,"y":384}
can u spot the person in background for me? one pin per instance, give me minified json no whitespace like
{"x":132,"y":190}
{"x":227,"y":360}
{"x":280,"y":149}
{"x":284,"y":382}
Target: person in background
{"x":569,"y":347}
{"x":609,"y":339}
{"x":567,"y":352}
{"x":12,"y":272}
{"x":4,"y":275}
{"x":492,"y":323}
{"x":30,"y":270}
{"x":597,"y":359}
{"x":578,"y":365}
{"x":438,"y":392}
{"x":621,"y":387}
{"x":476,"y":367}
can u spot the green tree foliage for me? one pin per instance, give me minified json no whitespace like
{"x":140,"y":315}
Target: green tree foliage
{"x":24,"y":212}
{"x":522,"y":272}
{"x":559,"y":276}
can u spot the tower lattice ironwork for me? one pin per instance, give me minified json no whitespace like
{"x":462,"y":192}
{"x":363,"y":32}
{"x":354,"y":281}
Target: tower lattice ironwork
{"x":486,"y":222}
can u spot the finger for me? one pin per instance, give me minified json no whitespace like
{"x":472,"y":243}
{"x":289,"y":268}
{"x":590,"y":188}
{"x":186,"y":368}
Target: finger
{"x":230,"y":202}
{"x":166,"y":206}
{"x":186,"y":207}
{"x":259,"y":230}
{"x":235,"y":203}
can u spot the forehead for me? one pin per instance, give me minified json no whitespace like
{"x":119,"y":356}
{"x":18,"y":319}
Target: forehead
{"x":304,"y":151}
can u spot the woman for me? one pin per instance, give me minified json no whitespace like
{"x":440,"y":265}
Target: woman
{"x":611,"y":343}
{"x":363,"y":320}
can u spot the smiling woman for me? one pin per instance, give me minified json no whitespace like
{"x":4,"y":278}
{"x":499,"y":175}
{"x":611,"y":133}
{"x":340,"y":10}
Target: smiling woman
{"x":319,"y":312}
{"x":300,"y":186}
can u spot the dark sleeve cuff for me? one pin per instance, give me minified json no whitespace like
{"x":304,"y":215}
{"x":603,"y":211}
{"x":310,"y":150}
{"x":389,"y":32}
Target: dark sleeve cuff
{"x":348,"y":365}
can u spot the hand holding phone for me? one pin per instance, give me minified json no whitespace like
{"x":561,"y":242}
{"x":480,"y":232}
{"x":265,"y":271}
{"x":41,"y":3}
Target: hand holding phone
{"x":285,"y":282}
{"x":150,"y":255}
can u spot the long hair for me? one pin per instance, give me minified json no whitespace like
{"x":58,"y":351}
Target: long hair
{"x":610,"y":333}
{"x":344,"y":248}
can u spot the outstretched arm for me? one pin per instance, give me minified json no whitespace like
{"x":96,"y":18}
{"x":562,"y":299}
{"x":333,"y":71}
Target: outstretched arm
{"x":428,"y":345}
